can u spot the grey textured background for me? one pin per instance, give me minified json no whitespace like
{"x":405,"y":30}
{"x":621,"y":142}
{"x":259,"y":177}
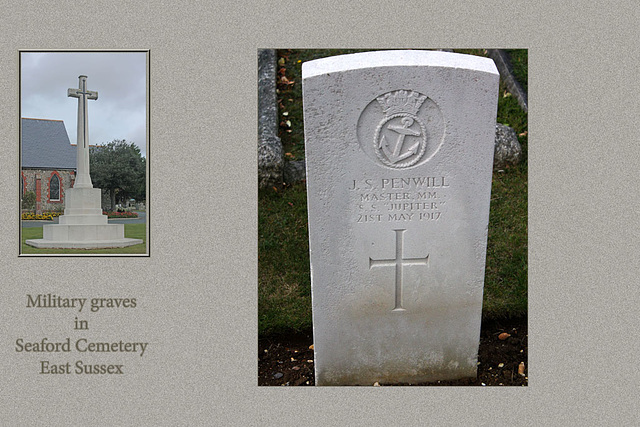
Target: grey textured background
{"x":197,"y":292}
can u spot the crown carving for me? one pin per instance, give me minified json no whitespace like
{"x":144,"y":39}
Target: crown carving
{"x":401,"y":101}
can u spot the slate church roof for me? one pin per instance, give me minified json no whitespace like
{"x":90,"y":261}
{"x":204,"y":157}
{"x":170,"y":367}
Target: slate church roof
{"x":45,"y":145}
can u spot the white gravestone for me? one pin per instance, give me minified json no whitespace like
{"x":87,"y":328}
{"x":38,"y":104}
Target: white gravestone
{"x":83,"y":226}
{"x":399,"y":149}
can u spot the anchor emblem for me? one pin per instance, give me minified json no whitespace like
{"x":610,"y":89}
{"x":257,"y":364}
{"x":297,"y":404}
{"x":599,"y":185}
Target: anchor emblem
{"x":405,"y":130}
{"x":400,"y":109}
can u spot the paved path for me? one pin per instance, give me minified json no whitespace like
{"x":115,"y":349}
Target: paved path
{"x":142,"y":218}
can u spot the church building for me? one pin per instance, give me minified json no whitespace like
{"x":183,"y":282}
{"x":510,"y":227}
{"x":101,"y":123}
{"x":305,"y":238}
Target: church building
{"x":48,"y":163}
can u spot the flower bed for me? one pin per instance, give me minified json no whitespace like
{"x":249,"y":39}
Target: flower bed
{"x":120,"y":214}
{"x":46,"y":216}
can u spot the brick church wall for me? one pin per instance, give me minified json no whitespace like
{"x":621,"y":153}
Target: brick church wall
{"x":44,"y":203}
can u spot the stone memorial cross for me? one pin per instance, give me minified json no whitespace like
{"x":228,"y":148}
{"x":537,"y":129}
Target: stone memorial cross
{"x":399,"y":151}
{"x":83,"y":225}
{"x":83,"y":179}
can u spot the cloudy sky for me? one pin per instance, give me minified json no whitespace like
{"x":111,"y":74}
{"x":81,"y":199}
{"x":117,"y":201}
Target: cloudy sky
{"x":118,"y":77}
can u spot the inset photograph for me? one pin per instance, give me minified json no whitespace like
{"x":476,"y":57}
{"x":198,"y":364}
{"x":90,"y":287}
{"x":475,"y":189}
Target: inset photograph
{"x":392,"y":217}
{"x":84,"y":140}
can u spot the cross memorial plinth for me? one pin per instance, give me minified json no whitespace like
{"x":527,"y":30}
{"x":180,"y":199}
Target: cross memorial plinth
{"x":399,"y":150}
{"x":83,"y":226}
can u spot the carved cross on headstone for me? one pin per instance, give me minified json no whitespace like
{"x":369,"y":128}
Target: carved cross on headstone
{"x":83,"y":179}
{"x":398,"y":262}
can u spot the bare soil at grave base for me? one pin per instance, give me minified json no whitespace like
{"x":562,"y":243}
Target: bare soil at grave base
{"x":288,"y":361}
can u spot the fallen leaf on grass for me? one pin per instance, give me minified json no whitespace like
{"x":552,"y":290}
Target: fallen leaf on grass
{"x":281,"y":61}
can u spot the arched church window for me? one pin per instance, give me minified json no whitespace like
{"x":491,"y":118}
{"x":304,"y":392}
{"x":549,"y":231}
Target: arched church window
{"x":54,"y":187}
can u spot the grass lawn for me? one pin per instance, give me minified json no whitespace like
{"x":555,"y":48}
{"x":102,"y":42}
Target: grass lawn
{"x":133,"y":231}
{"x":284,"y":288}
